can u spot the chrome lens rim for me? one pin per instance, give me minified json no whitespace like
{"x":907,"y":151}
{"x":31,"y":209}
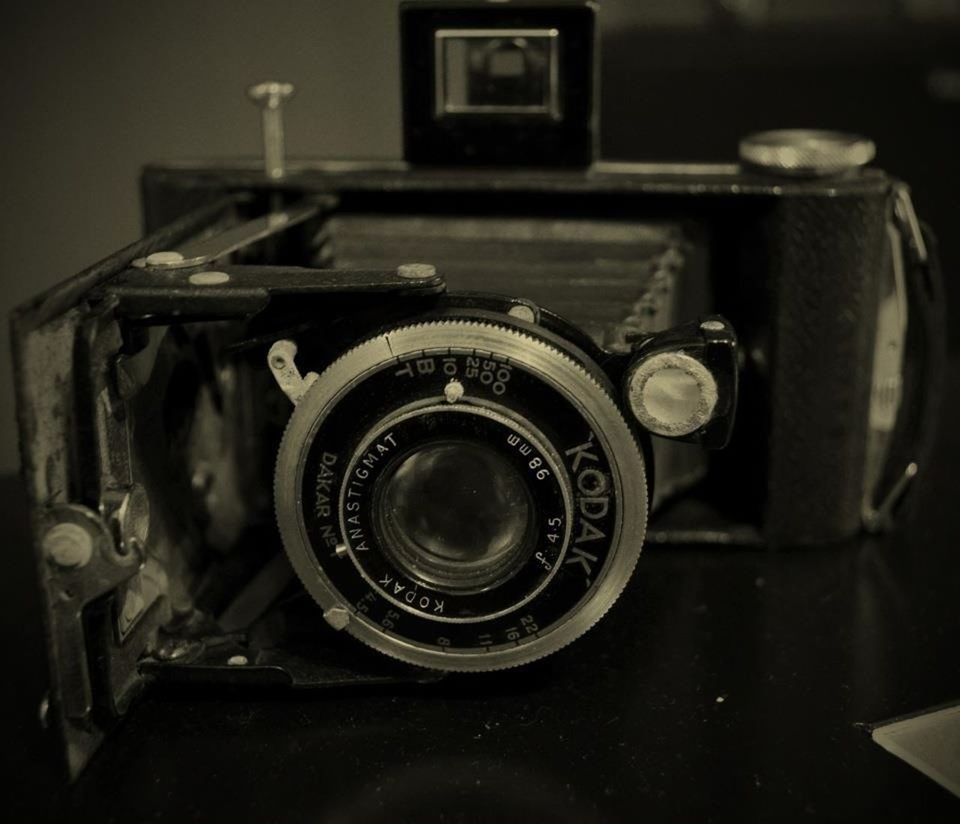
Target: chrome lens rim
{"x":557,"y":369}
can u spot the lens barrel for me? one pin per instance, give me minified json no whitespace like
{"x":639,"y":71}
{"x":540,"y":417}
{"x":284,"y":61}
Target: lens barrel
{"x":468,"y":492}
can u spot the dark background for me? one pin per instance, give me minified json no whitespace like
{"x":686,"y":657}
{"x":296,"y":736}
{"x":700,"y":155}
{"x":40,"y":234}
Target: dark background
{"x":800,"y":647}
{"x":93,"y":91}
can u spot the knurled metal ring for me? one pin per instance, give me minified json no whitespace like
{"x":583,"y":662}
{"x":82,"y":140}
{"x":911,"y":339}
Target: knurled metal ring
{"x":806,"y":152}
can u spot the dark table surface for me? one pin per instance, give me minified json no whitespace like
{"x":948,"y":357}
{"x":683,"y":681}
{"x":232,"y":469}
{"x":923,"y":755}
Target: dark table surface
{"x":723,"y":685}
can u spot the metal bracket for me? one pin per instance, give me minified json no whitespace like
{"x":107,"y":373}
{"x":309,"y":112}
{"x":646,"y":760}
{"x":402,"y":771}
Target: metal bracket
{"x":285,"y":372}
{"x":227,"y":660}
{"x":908,"y":223}
{"x":165,"y":295}
{"x":284,"y":646}
{"x":205,"y":250}
{"x":879,"y":518}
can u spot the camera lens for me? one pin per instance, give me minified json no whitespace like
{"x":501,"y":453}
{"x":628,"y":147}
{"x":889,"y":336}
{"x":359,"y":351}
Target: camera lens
{"x":469,"y":494}
{"x":454,"y":515}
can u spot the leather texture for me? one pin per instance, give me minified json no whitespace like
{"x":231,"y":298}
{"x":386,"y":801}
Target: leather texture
{"x":825,"y":258}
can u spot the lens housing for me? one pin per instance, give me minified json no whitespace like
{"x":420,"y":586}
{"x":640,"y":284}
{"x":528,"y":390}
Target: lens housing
{"x":509,"y":591}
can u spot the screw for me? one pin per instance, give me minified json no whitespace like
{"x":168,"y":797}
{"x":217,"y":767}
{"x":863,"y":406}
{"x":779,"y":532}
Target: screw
{"x":270,"y":97}
{"x":522,"y":312}
{"x":238,"y":661}
{"x":712,"y":326}
{"x":337,"y":617}
{"x":176,"y":648}
{"x":416,"y":271}
{"x":68,"y":545}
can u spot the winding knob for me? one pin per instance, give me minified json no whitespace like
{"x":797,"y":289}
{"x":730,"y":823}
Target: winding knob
{"x":806,"y":152}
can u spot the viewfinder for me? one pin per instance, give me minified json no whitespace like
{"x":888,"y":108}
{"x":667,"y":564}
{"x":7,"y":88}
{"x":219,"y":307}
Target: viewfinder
{"x":497,"y":71}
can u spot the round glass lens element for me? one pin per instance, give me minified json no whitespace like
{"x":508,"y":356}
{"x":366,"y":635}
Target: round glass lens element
{"x":455,"y":515}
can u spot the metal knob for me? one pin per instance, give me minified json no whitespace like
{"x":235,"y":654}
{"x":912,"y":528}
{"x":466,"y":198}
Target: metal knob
{"x":806,"y":152}
{"x":270,"y":97}
{"x":672,"y":393}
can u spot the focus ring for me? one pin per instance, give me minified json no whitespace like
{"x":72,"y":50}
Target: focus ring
{"x":549,"y":366}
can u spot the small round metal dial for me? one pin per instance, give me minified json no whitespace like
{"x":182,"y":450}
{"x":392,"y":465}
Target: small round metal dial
{"x":806,"y":152}
{"x":671,"y":394}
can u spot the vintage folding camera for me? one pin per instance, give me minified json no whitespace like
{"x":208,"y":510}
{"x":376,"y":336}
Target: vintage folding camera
{"x":448,"y":391}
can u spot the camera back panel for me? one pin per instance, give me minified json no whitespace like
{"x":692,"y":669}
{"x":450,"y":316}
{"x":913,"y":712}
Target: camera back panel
{"x":795,"y":266}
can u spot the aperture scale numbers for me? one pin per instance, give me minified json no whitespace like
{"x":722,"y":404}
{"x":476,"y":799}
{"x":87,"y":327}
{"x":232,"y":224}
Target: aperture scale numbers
{"x":487,"y":368}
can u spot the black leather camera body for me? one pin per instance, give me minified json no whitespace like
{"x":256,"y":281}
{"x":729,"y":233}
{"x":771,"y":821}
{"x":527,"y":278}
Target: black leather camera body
{"x":453,"y":387}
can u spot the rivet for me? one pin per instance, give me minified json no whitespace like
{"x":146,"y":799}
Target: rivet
{"x":68,"y":545}
{"x":337,"y":617}
{"x":522,"y":312}
{"x":416,"y":271}
{"x":163,"y":258}
{"x":209,"y":278}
